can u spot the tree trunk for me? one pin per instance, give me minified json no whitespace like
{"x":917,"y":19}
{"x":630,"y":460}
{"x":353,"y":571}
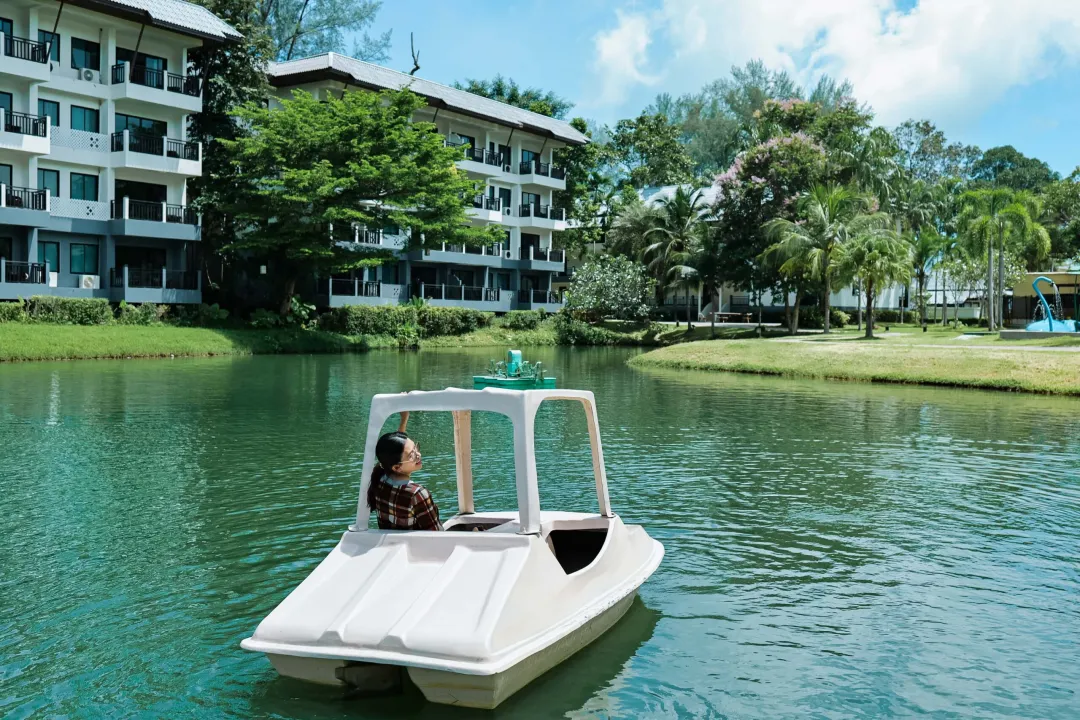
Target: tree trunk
{"x":920,"y":284}
{"x":787,"y":313}
{"x":990,"y":285}
{"x":1001,"y":284}
{"x":858,"y":305}
{"x":869,"y":309}
{"x":795,"y":313}
{"x":290,"y":290}
{"x":828,"y":292}
{"x":689,"y":325}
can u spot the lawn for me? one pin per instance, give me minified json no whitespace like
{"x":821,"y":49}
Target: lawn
{"x":985,"y":363}
{"x":33,"y":341}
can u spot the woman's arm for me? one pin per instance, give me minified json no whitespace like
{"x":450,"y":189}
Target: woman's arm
{"x":404,"y":421}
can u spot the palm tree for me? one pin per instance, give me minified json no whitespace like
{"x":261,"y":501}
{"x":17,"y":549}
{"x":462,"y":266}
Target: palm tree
{"x":926,"y":250}
{"x":812,"y":243}
{"x":627,"y":233}
{"x":675,"y":244}
{"x":996,"y":218}
{"x":877,"y":256}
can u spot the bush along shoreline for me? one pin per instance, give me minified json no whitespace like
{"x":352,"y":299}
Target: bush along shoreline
{"x":52,"y":328}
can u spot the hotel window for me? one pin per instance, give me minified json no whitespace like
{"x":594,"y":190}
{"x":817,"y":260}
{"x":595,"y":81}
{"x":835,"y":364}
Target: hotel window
{"x":85,"y":54}
{"x":49,"y":180}
{"x":84,"y":119}
{"x":53,"y":41}
{"x":50,"y":109}
{"x":84,"y":259}
{"x":84,"y":187}
{"x":49,"y":252}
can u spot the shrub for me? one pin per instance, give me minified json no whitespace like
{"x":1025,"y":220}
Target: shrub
{"x":523,"y":319}
{"x":435,"y":321}
{"x":368,"y":320}
{"x":145,"y":314}
{"x":894,"y":316}
{"x":408,"y":337}
{"x":571,"y":331}
{"x":264,"y":319}
{"x":69,"y":311}
{"x":13,"y":312}
{"x":202,"y":315}
{"x":810,"y":317}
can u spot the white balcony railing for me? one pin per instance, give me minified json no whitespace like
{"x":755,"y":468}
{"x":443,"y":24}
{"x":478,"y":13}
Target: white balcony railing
{"x":80,"y":140}
{"x":82,"y":209}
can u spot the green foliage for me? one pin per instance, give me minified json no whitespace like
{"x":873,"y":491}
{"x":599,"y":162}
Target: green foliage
{"x":13,"y":312}
{"x":611,"y":287}
{"x":811,"y":317}
{"x":649,"y":153}
{"x":589,"y":195}
{"x":876,"y":255}
{"x":368,"y":319}
{"x":300,"y":312}
{"x":1061,"y":203}
{"x":570,"y":330}
{"x":317,"y":167}
{"x":201,"y":315}
{"x":408,"y":336}
{"x":264,"y":319}
{"x":144,"y":314}
{"x":507,"y":91}
{"x":429,"y":320}
{"x":924,"y":153}
{"x":1008,"y":167}
{"x":895,"y":316}
{"x":69,"y":311}
{"x":522,"y":319}
{"x":434,"y":321}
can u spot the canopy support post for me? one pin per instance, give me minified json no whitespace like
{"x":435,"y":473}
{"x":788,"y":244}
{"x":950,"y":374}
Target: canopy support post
{"x":463,"y":459}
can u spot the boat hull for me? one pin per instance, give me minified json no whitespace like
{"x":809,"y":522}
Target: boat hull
{"x":450,"y":688}
{"x":513,"y":383}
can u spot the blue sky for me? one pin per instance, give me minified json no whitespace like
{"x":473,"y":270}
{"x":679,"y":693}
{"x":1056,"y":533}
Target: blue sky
{"x":988,"y":72}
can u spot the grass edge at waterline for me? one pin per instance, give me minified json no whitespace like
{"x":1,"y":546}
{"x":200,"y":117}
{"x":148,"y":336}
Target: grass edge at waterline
{"x":986,"y":369}
{"x":35,"y":341}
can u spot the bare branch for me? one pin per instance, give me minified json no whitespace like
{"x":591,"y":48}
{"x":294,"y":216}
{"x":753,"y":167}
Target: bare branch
{"x":415,"y":56}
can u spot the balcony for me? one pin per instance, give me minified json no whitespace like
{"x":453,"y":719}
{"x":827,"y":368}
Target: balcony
{"x":153,"y":219}
{"x":535,"y":299}
{"x":28,"y":207}
{"x":477,"y":298}
{"x":478,"y":160}
{"x":156,"y":86}
{"x":24,"y":58}
{"x":485,"y":209}
{"x":353,"y":291}
{"x":156,"y":285}
{"x":24,"y":133}
{"x":542,"y":216}
{"x":543,"y":174}
{"x":151,"y":152}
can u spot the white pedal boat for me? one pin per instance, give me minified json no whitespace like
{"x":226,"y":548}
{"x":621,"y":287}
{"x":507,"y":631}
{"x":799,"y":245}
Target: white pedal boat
{"x":472,"y":616}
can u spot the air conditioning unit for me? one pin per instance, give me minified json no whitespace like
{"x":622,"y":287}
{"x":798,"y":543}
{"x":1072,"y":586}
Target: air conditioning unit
{"x":90,"y":282}
{"x":54,"y":279}
{"x":507,"y":255}
{"x":506,"y":168}
{"x":86,"y":74}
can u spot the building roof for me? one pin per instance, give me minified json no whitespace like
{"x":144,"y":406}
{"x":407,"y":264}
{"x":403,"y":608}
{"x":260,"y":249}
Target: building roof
{"x":176,"y":15}
{"x":375,"y":77}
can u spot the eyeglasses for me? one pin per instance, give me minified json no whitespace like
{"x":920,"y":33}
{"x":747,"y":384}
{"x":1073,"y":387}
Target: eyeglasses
{"x":414,"y":455}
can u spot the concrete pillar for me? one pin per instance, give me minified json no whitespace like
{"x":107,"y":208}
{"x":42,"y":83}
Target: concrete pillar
{"x":31,"y":245}
{"x":107,"y":256}
{"x":515,"y":280}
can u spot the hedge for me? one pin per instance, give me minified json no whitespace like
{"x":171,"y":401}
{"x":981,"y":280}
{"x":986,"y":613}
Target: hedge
{"x":523,"y":319}
{"x":69,"y":311}
{"x":13,"y":312}
{"x":390,"y":319}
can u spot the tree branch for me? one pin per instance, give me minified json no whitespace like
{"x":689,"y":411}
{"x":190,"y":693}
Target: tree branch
{"x":415,"y":56}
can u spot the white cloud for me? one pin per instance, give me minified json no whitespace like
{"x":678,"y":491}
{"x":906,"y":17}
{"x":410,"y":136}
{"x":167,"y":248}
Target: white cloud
{"x":620,"y":53}
{"x":949,"y":59}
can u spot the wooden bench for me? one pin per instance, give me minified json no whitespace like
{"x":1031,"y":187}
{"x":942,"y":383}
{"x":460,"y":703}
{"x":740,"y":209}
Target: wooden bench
{"x":733,"y":317}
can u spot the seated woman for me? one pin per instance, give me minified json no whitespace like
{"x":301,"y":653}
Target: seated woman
{"x":399,"y":503}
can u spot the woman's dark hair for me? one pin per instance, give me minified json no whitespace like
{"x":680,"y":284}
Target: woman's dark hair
{"x":388,"y":451}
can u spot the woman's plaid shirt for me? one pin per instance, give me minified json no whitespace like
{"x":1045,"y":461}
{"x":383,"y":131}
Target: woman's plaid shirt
{"x":405,"y":506}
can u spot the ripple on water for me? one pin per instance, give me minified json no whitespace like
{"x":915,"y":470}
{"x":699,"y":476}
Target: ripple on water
{"x":832,"y":550}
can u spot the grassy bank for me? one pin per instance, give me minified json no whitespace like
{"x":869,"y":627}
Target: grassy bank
{"x":70,"y":342}
{"x":987,"y":364}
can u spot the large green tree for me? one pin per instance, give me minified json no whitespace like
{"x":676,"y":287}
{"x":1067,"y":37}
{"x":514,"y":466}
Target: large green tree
{"x":924,"y":152}
{"x":231,"y":76}
{"x":589,"y":198}
{"x":505,"y":90}
{"x":648,"y":152}
{"x":675,"y":243}
{"x":308,"y":172}
{"x":1007,"y":167}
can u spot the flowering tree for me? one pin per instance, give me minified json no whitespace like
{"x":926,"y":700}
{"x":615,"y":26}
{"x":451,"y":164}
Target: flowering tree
{"x":610,"y":287}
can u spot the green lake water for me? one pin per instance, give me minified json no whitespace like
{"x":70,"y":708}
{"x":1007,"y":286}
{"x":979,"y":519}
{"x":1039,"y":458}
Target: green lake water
{"x":833,"y":550}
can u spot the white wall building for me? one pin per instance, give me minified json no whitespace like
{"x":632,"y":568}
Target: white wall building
{"x":506,"y":150}
{"x":94,"y":158}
